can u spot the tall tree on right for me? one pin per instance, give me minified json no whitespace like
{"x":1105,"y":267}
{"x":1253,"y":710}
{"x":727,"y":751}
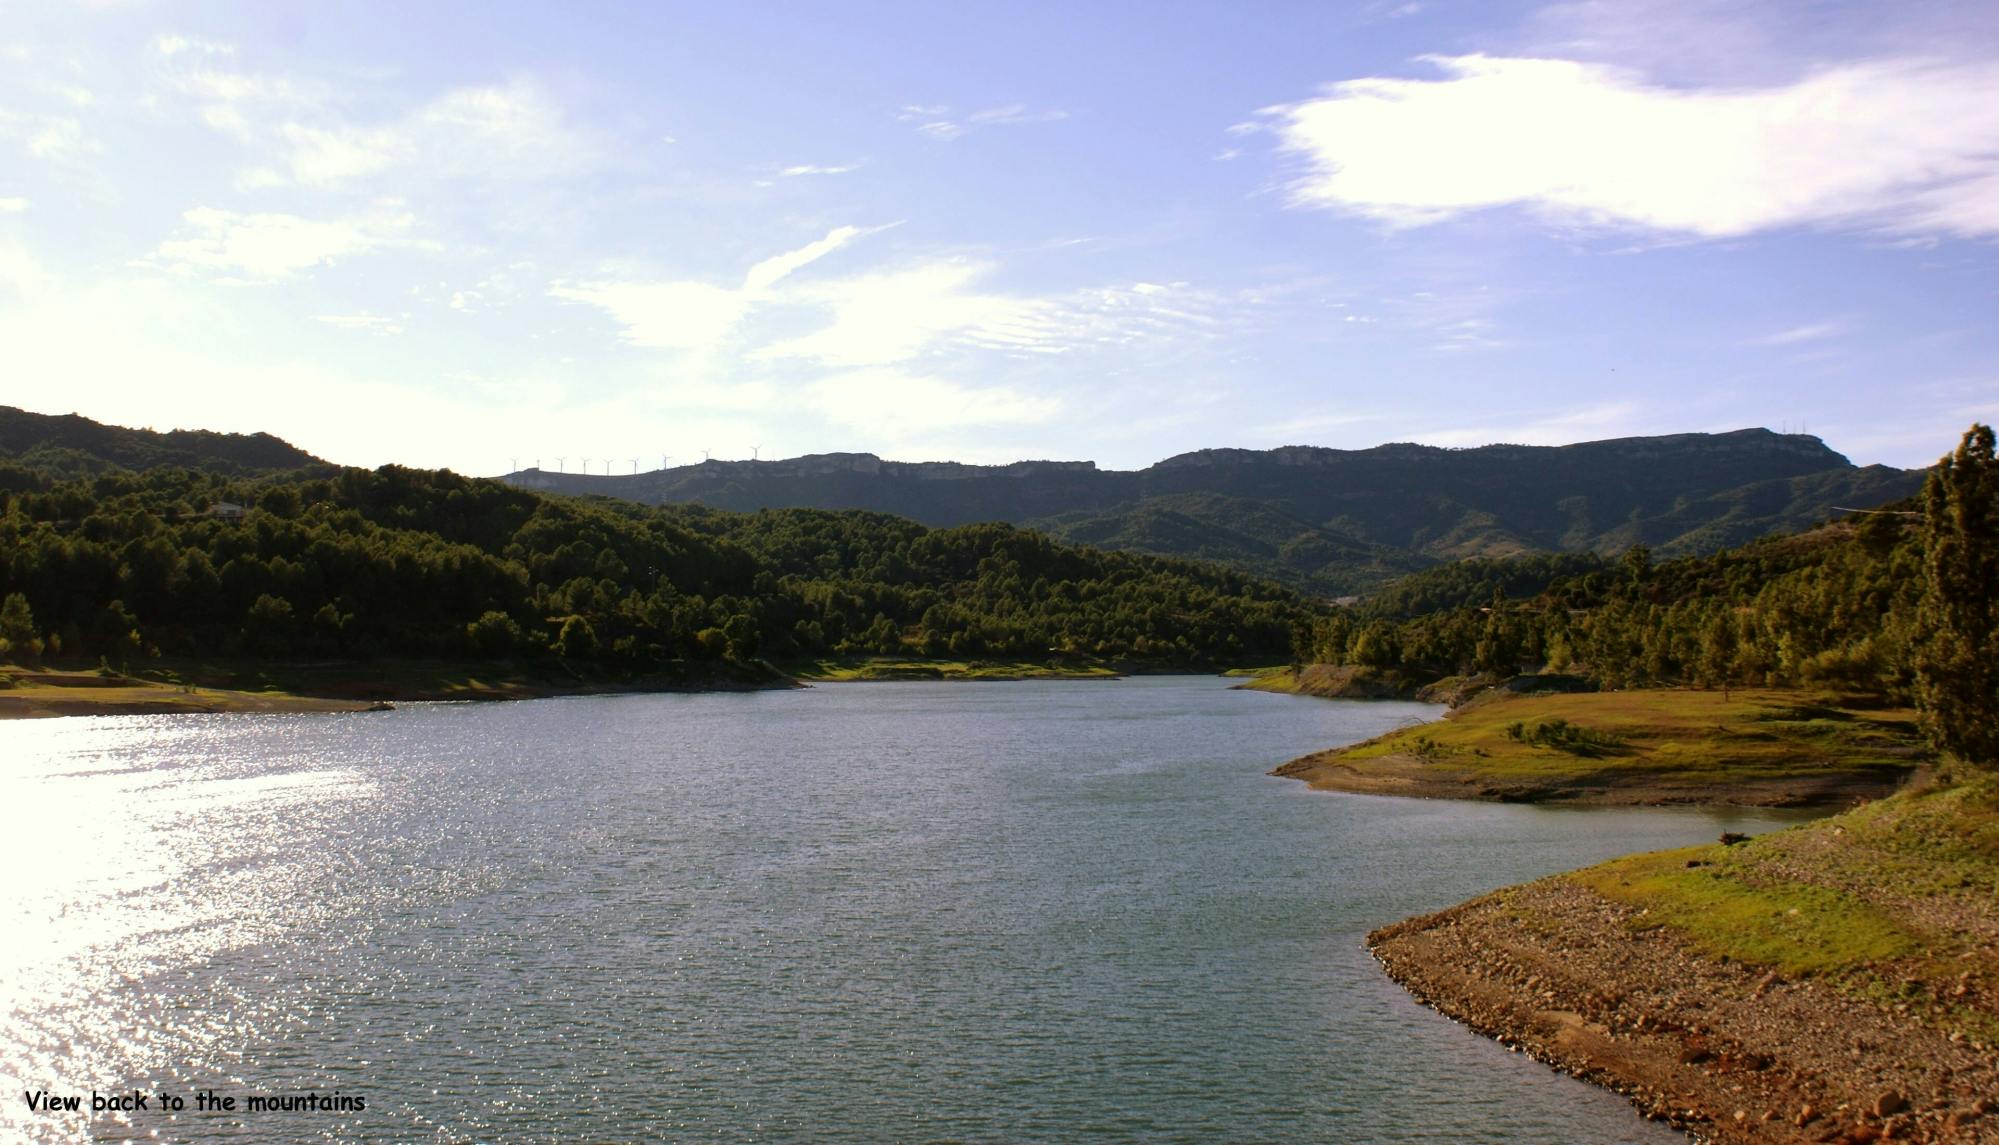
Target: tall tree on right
{"x":1956,"y":650}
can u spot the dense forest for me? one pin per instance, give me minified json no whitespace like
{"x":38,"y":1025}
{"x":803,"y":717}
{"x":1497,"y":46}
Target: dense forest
{"x":1832,"y":606}
{"x":1900,"y":602}
{"x":395,"y":562}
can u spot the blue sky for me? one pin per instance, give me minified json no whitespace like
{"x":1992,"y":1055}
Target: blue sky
{"x":470,"y":235}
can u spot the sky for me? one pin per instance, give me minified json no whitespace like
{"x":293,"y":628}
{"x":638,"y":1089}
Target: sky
{"x":482,"y":236}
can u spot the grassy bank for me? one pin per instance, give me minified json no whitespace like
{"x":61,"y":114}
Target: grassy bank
{"x":338,"y":685}
{"x":1837,"y":981}
{"x":1331,"y":682}
{"x":28,"y":693}
{"x":861,"y":669}
{"x":1752,"y":748}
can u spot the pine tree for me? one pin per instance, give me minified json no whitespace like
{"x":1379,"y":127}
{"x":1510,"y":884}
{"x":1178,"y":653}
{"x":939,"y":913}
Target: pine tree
{"x":1956,"y":650}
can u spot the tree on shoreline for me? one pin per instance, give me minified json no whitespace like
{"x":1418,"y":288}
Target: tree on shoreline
{"x":1956,"y":651}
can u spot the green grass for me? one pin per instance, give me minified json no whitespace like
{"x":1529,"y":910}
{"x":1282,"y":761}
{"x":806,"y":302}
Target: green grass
{"x":1895,"y":901}
{"x":853,"y":669}
{"x":1329,"y":681}
{"x":1259,"y":673}
{"x":1726,"y":910}
{"x":1665,"y":734}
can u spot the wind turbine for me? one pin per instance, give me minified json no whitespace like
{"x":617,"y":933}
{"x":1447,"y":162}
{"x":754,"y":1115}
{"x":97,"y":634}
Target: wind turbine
{"x":635,"y":466}
{"x":753,"y":451}
{"x":513,"y":465}
{"x":586,"y":467}
{"x":704,"y":455}
{"x":663,"y":459}
{"x":537,"y":465}
{"x":562,"y":465}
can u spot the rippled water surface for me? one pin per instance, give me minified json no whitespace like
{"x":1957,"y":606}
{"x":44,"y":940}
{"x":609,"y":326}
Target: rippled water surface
{"x":993,"y":912}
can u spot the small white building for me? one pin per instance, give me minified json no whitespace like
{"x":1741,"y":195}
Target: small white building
{"x":224,"y":510}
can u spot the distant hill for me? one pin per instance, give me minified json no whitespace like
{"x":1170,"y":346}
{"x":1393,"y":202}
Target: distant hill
{"x":74,"y":445}
{"x":1328,"y":520}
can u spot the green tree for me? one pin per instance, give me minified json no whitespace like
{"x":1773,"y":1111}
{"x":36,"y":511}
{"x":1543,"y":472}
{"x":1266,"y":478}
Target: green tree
{"x":1717,"y":654}
{"x":494,"y":634}
{"x":577,"y":640}
{"x":17,"y":628}
{"x":1956,"y":651}
{"x":268,"y":626}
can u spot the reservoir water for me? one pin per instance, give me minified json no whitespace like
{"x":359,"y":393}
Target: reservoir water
{"x":1040,"y":911}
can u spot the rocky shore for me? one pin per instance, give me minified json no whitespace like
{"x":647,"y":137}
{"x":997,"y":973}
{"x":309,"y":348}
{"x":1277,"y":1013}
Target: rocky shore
{"x":1876,"y":1020}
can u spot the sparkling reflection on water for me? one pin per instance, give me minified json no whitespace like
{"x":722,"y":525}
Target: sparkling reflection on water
{"x":1032,"y":911}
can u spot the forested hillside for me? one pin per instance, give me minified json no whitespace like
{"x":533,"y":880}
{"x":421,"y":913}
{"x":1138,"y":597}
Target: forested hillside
{"x":1834,"y":606}
{"x":77,"y":446}
{"x":406,"y":563}
{"x":1329,"y":521}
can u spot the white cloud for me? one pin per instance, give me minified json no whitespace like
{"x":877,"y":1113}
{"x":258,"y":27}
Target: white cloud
{"x":243,"y":248}
{"x":1903,"y":145}
{"x":809,"y":169}
{"x":894,"y":404}
{"x":1014,"y":113}
{"x":514,"y":130}
{"x":890,"y":317}
{"x":893,"y":316}
{"x":13,"y":206}
{"x":739,"y":398}
{"x":42,"y":136}
{"x":169,"y":44}
{"x":665,"y":315}
{"x":1591,"y":423}
{"x":766,"y":274}
{"x":319,"y":157}
{"x":20,"y":271}
{"x":688,"y":315}
{"x":370,"y":323}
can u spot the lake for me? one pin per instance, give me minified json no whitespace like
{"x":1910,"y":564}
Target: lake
{"x":1034,"y":911}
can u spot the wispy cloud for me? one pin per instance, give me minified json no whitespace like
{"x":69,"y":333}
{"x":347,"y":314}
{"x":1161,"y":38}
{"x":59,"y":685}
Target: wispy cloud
{"x":241,"y":249}
{"x":810,"y":169}
{"x":300,"y":134}
{"x":368,"y":323}
{"x":1589,"y":423}
{"x":1814,"y":332}
{"x":892,"y":316}
{"x":170,"y":44}
{"x":43,"y":135}
{"x":1900,"y":145}
{"x":939,"y":122}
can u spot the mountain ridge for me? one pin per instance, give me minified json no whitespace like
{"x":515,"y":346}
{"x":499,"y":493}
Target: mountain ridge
{"x":1333,"y":521}
{"x":72,"y":443}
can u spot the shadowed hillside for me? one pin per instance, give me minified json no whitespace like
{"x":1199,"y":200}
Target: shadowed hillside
{"x":77,"y":445}
{"x":1329,"y":520}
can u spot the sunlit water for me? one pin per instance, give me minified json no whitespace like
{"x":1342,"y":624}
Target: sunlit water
{"x":994,"y":912}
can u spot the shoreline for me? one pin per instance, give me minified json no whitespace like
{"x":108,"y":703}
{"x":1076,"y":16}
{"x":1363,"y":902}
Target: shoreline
{"x":1831,"y":982}
{"x":1764,"y":747}
{"x":45,"y":693}
{"x":1411,"y":777}
{"x":1729,"y":1051}
{"x":37,"y":693}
